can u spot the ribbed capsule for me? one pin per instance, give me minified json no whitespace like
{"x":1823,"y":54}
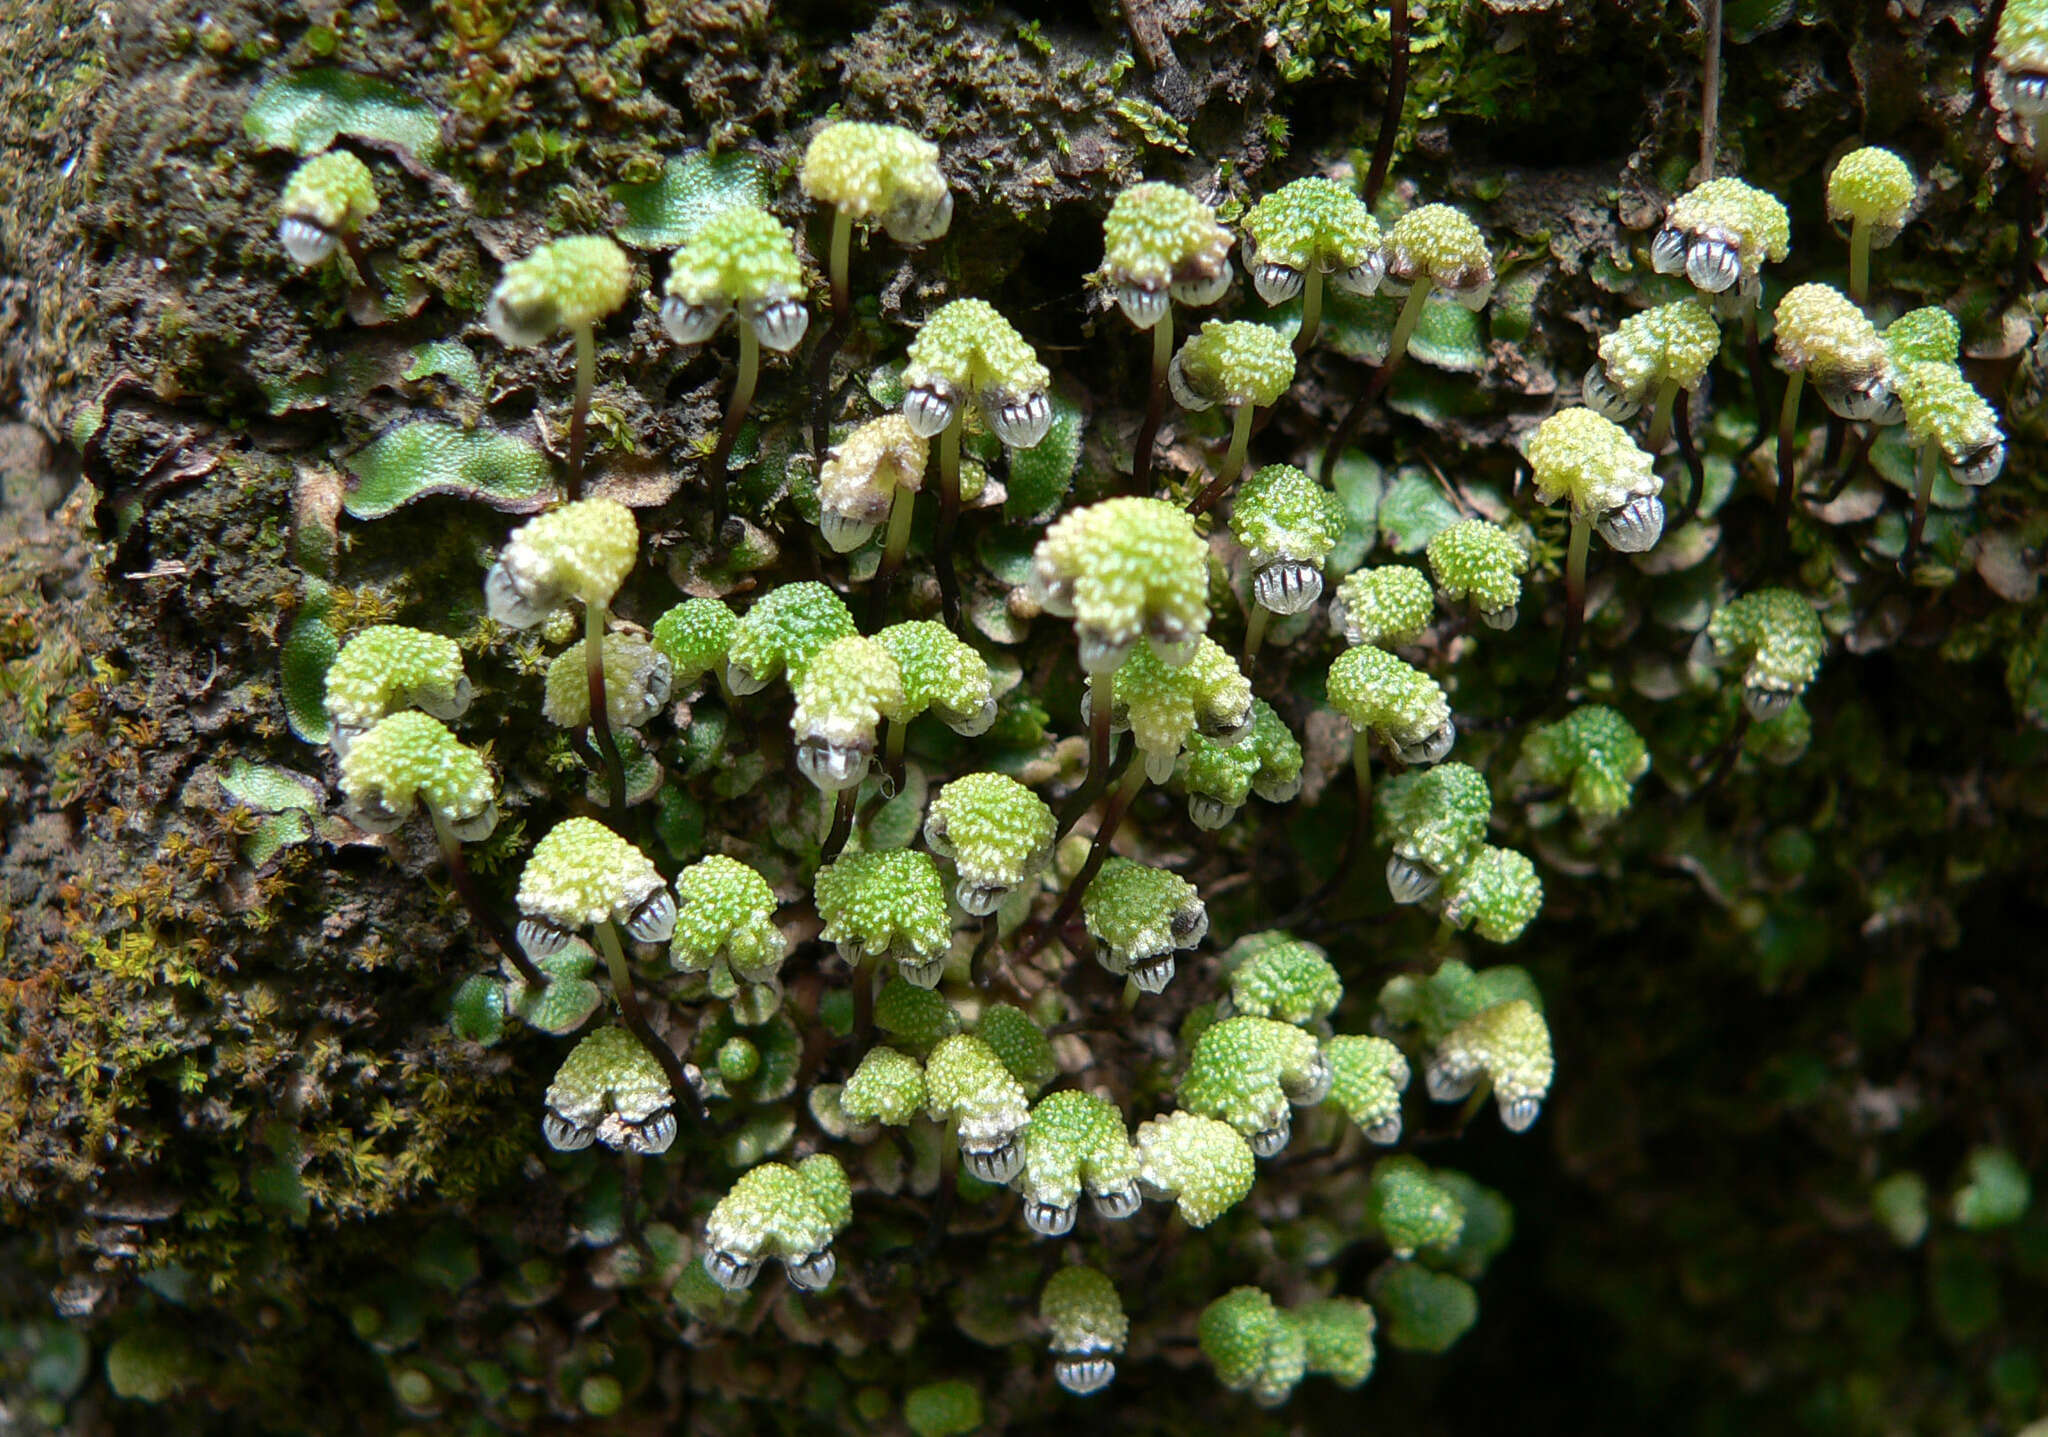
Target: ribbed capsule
{"x":1276,"y":283}
{"x":307,"y":243}
{"x":1143,"y":307}
{"x":841,"y":534}
{"x":1287,"y":586}
{"x":1084,"y":1375}
{"x":915,"y":219}
{"x":1429,"y":749}
{"x":1018,"y":420}
{"x":1635,"y":527}
{"x":564,"y":1136}
{"x":540,"y":937}
{"x":1712,"y":261}
{"x":1409,"y":881}
{"x":996,"y":1162}
{"x":1203,"y":289}
{"x":2026,"y":93}
{"x":831,"y":764}
{"x":730,"y":1271}
{"x":1864,"y":399}
{"x":692,"y":323}
{"x":1667,"y":250}
{"x":1209,"y":813}
{"x":1049,"y":1219}
{"x":1600,"y":394}
{"x":1981,"y":465}
{"x":813,"y":1273}
{"x":929,"y":409}
{"x":1766,"y":704}
{"x":779,"y":323}
{"x":511,"y":600}
{"x":653,"y":919}
{"x":1363,"y":278}
{"x":477,"y":826}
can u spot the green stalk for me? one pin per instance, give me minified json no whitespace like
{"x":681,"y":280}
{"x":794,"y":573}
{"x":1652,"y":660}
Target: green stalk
{"x":1254,"y":632}
{"x":735,"y":413}
{"x":1155,"y":402}
{"x":1923,"y":490}
{"x":1098,"y":854}
{"x":1233,"y":462}
{"x":600,"y":710}
{"x":1788,"y":428}
{"x":949,"y":515}
{"x":1101,"y":690}
{"x":895,"y":544}
{"x":1311,"y":309}
{"x":635,"y":1020}
{"x":895,"y":733}
{"x":1354,"y":841}
{"x":842,"y":321}
{"x":1859,"y":261}
{"x":1397,"y":351}
{"x":480,"y":912}
{"x":586,"y":380}
{"x":1574,"y":612}
{"x":1660,"y":415}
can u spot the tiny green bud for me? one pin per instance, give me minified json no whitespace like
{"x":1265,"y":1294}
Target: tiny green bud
{"x":406,"y":758}
{"x":1577,"y":455}
{"x":1997,"y":1194}
{"x":916,"y":1017}
{"x":1777,"y":635}
{"x":1201,"y":1163}
{"x":968,"y":352}
{"x":1248,"y":1071}
{"x":738,"y":1060}
{"x":1425,"y":1311}
{"x":1278,"y":778}
{"x":1231,"y":362}
{"x":1508,"y":1043}
{"x":1873,"y":187}
{"x":879,"y":175}
{"x":725,"y":926}
{"x":1496,"y":894}
{"x":1337,"y":1333}
{"x":1159,"y":240}
{"x":782,"y":633}
{"x":1253,"y":1346}
{"x":967,"y":1085}
{"x":636,"y":683}
{"x":1386,"y":607}
{"x":1926,"y":334}
{"x":1125,"y":569}
{"x":565,"y":284}
{"x":943,"y":674}
{"x":580,"y":551}
{"x":858,"y":481}
{"x":1076,"y":1142}
{"x":942,"y":1409}
{"x":997,"y":832}
{"x":1285,"y":979}
{"x":1900,"y":1203}
{"x":740,"y":260}
{"x":1287,"y":524}
{"x":1367,"y":1077}
{"x":1439,"y":246}
{"x":1595,"y":751}
{"x":1669,"y":344}
{"x":1312,"y":224}
{"x":888,"y":1087}
{"x":1475,"y":560}
{"x":1721,"y":232}
{"x":1942,"y":407}
{"x":1019,"y":1042}
{"x":327,"y":197}
{"x":887,"y":905}
{"x":1821,"y":332}
{"x":693,"y":637}
{"x":848,"y":688}
{"x":1163,"y":706}
{"x":1435,"y":821}
{"x":1410,"y":1209}
{"x":1138,"y":917}
{"x":610,"y":1090}
{"x":1393,"y":700}
{"x":1217,"y":780}
{"x":582,"y":873}
{"x":789,"y":1214}
{"x":1452,"y":994}
{"x":1084,"y":1313}
{"x":385,"y":668}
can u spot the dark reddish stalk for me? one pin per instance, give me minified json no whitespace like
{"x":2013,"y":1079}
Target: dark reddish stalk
{"x":1397,"y":98}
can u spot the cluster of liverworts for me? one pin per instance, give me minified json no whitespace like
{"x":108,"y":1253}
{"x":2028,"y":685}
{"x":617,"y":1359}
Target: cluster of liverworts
{"x":1134,"y":576}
